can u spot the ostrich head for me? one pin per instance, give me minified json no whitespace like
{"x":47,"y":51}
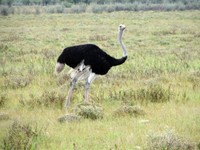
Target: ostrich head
{"x":122,"y":27}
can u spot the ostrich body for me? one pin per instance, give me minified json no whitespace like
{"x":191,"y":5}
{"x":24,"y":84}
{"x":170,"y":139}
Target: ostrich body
{"x":87,"y":61}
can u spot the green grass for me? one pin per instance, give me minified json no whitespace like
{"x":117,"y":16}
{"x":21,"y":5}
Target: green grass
{"x":161,"y":76}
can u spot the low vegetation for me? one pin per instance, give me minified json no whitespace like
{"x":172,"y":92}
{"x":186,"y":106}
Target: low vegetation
{"x":90,"y":111}
{"x":37,"y":7}
{"x":3,"y":100}
{"x":129,"y":110}
{"x":47,"y":99}
{"x":21,"y":136}
{"x":157,"y":88}
{"x":169,"y":140}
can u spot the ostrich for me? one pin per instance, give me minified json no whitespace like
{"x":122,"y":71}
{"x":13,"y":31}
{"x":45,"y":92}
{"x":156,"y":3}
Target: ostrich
{"x":87,"y":61}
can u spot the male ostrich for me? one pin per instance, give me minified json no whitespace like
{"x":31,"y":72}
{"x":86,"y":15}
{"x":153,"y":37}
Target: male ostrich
{"x":87,"y":61}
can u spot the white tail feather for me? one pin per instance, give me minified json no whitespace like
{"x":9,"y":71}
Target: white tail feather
{"x":59,"y":67}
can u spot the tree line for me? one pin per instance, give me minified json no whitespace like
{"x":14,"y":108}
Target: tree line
{"x":69,"y":3}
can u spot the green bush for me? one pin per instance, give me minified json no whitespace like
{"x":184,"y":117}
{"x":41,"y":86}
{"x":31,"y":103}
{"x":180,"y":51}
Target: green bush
{"x":90,"y":111}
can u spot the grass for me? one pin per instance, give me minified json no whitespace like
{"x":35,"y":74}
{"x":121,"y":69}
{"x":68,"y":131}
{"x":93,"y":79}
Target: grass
{"x":21,"y":136}
{"x":161,"y":77}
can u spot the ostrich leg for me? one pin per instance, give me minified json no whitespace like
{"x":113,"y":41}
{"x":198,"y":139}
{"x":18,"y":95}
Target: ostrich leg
{"x":72,"y":84}
{"x":87,"y":85}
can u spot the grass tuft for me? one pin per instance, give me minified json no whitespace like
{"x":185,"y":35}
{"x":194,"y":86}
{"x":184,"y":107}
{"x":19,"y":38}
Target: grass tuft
{"x":129,"y":110}
{"x":21,"y":136}
{"x":170,"y":141}
{"x":154,"y":93}
{"x":4,"y":116}
{"x":69,"y":118}
{"x":17,"y":81}
{"x":3,"y":100}
{"x":90,"y":111}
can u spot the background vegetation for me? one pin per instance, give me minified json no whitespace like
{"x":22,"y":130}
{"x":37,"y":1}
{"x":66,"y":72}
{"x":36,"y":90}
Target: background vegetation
{"x":71,"y":2}
{"x":150,"y":102}
{"x":96,"y":6}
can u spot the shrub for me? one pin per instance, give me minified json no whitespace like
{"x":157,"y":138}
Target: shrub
{"x":110,"y":8}
{"x":21,"y":136}
{"x":55,"y":9}
{"x":5,"y":10}
{"x":170,"y":141}
{"x":49,"y":9}
{"x":98,"y":8}
{"x":67,"y":4}
{"x":90,"y":111}
{"x":59,"y":9}
{"x":81,"y":8}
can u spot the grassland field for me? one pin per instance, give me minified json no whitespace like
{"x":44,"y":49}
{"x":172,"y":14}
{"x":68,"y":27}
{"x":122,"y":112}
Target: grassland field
{"x":161,"y":76}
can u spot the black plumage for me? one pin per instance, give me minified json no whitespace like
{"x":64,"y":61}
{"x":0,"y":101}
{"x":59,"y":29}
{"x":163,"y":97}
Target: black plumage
{"x":98,"y":60}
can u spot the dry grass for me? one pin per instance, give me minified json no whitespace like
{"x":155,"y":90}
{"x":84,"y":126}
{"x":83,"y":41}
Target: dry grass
{"x":47,"y":99}
{"x":129,"y":110}
{"x":21,"y":136}
{"x":3,"y":100}
{"x":161,"y":75}
{"x":170,"y":141}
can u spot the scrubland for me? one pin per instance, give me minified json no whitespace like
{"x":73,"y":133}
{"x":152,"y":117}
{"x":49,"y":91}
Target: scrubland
{"x":161,"y":77}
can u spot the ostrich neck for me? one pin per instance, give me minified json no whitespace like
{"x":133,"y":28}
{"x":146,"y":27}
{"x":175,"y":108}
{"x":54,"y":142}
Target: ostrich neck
{"x":122,"y":44}
{"x":120,"y":61}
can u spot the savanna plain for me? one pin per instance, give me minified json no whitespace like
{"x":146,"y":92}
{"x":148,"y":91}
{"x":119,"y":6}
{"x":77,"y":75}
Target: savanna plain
{"x":161,"y":78}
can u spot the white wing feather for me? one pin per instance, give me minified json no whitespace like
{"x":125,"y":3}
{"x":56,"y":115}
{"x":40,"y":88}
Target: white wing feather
{"x":81,"y":71}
